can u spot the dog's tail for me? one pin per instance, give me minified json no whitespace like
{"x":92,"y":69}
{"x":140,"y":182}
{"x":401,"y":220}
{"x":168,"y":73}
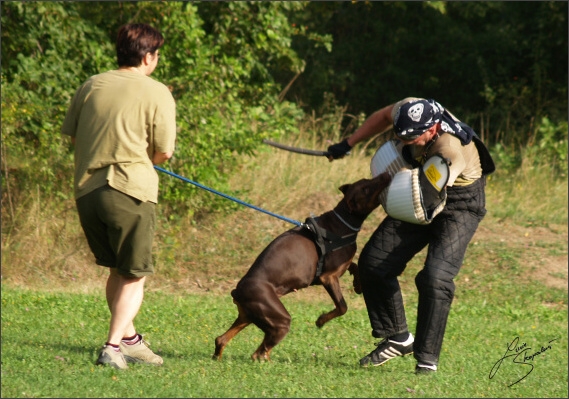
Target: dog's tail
{"x":354,"y":271}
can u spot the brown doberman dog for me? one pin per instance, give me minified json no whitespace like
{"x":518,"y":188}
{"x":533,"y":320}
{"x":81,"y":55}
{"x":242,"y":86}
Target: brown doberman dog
{"x":317,"y":253}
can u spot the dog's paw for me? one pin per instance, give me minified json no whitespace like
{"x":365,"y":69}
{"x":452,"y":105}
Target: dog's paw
{"x":354,"y":271}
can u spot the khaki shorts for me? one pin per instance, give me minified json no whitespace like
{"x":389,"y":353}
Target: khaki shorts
{"x":119,"y":230}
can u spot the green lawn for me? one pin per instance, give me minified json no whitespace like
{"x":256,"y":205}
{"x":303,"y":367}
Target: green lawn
{"x":50,"y":343}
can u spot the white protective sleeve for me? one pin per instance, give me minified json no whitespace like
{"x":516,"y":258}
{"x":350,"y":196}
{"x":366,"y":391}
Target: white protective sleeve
{"x":415,"y":195}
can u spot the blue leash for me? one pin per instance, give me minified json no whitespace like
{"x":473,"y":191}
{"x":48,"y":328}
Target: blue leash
{"x":296,"y":222}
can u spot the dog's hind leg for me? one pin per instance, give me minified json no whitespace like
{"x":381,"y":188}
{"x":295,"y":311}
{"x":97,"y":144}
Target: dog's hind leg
{"x":220,"y":342}
{"x":332,"y":286}
{"x":274,"y":320}
{"x":273,"y":335}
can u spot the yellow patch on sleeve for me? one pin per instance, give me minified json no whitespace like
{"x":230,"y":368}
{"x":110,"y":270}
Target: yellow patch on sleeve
{"x":433,"y":175}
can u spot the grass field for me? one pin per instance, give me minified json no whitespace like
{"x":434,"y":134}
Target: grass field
{"x":49,"y":346}
{"x":511,"y":293}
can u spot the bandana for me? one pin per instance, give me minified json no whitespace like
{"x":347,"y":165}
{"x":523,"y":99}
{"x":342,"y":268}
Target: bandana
{"x":414,"y":118}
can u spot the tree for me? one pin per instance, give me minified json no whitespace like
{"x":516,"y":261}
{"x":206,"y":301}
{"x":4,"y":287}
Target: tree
{"x":227,"y":99}
{"x":499,"y":65}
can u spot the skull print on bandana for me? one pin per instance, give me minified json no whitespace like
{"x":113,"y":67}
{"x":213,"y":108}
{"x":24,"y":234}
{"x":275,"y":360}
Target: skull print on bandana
{"x":412,"y":119}
{"x":415,"y":112}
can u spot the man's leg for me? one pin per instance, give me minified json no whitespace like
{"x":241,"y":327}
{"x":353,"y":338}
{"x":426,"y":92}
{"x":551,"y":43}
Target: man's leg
{"x":452,"y":231}
{"x":382,"y":260}
{"x":435,"y":284}
{"x":124,"y":298}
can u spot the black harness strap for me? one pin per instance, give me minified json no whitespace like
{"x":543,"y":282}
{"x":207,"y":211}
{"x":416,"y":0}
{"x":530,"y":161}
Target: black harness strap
{"x":326,"y":241}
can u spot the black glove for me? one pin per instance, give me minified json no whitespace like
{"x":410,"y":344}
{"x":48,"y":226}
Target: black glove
{"x":338,"y":150}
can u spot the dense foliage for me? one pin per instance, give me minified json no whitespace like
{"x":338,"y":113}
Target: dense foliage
{"x":242,"y":71}
{"x":478,"y":58}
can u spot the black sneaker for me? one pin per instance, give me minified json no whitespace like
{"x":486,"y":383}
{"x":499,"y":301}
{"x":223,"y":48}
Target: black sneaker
{"x":425,"y":368}
{"x":387,"y":350}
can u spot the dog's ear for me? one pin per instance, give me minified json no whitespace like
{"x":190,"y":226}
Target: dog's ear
{"x":344,"y":188}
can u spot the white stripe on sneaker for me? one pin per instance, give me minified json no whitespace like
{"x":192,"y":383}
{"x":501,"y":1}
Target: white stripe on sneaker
{"x":427,"y":366}
{"x":390,"y":353}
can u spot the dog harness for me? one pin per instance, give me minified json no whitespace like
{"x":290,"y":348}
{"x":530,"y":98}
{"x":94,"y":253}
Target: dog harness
{"x":326,"y":241}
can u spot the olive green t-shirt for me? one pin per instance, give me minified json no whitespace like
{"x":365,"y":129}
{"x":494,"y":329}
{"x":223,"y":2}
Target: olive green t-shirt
{"x":119,"y":119}
{"x":464,"y":166}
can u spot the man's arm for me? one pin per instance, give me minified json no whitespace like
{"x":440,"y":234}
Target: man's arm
{"x":161,"y":157}
{"x":376,"y":123}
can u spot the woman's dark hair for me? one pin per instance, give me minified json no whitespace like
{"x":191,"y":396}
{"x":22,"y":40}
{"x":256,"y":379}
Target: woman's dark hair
{"x":134,"y":41}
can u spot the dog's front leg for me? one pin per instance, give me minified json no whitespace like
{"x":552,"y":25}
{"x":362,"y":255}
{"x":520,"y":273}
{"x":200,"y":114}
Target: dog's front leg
{"x":354,"y":271}
{"x":332,"y":285}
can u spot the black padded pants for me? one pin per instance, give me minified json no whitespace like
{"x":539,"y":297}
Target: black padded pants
{"x":394,"y":243}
